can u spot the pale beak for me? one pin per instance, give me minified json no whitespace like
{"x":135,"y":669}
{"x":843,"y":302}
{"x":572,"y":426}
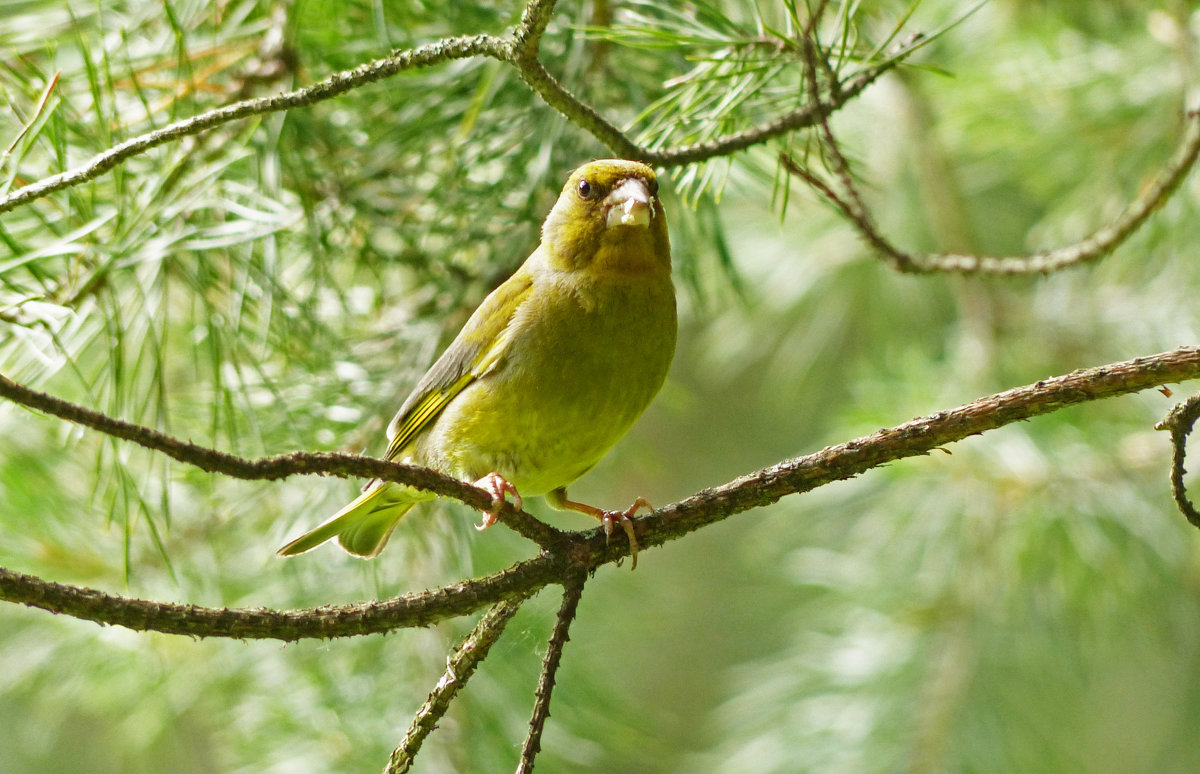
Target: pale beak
{"x":629,"y":204}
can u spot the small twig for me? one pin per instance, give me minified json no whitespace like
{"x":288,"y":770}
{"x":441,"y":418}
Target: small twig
{"x":861,"y":220}
{"x":1180,"y":422}
{"x":1090,"y":249}
{"x":572,"y":591}
{"x":814,"y":18}
{"x":527,"y":37}
{"x":851,"y":203}
{"x":459,"y":668}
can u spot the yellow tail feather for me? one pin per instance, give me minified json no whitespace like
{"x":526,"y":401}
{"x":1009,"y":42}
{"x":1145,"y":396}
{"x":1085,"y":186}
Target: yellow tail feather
{"x":363,"y":527}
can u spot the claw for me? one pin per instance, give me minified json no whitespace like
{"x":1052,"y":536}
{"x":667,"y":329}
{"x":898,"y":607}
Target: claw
{"x":558,"y":498}
{"x":625,"y":519}
{"x":497,"y":486}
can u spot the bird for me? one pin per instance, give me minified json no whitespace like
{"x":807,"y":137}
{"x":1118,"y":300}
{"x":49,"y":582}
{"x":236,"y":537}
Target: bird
{"x":550,"y":371}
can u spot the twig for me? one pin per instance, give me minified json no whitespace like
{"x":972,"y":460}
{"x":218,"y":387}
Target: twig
{"x":527,"y":37}
{"x":459,"y":668}
{"x":1090,"y":249}
{"x":572,"y":591}
{"x":797,"y":119}
{"x":588,"y":550}
{"x":338,"y":83}
{"x":1180,"y":422}
{"x":850,"y":202}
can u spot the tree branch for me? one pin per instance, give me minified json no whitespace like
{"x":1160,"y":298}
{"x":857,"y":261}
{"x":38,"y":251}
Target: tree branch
{"x":572,"y":591}
{"x":588,"y":550}
{"x":520,"y":50}
{"x":336,"y":84}
{"x":284,"y":465}
{"x":1090,"y":249}
{"x":459,"y":668}
{"x":1180,"y":422}
{"x":799,"y":118}
{"x":916,"y":437}
{"x":406,"y":611}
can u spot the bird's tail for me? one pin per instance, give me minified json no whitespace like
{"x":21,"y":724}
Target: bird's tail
{"x":363,"y":527}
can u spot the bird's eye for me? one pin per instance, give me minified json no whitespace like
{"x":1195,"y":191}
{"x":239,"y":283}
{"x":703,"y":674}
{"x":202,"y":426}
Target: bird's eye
{"x":584,"y":188}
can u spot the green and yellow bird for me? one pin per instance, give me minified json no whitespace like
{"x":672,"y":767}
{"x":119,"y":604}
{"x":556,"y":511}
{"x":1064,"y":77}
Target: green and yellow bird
{"x":550,"y":371}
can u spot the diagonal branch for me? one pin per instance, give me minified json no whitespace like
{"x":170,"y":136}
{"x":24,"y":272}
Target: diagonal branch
{"x":459,"y":668}
{"x":336,"y":84}
{"x":589,"y":550}
{"x":283,"y":465}
{"x":572,"y":591}
{"x":916,"y":437}
{"x":800,"y":118}
{"x":1087,"y":250}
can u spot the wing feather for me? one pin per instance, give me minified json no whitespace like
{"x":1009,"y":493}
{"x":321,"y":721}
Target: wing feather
{"x":472,"y":353}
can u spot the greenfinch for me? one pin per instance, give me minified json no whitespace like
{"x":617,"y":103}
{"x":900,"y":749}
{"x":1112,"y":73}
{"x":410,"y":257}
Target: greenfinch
{"x":549,"y":372}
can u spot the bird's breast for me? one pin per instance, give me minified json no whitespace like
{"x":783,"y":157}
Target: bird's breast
{"x":583,"y":361}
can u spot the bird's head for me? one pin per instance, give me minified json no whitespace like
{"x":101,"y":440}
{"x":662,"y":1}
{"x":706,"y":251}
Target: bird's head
{"x":608,"y":208}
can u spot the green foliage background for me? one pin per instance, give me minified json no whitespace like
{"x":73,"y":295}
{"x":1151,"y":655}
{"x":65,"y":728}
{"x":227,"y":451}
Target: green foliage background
{"x":1029,"y":602}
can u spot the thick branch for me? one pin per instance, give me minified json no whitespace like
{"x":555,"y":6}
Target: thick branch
{"x":403,"y":612}
{"x":588,"y":550}
{"x":916,"y":437}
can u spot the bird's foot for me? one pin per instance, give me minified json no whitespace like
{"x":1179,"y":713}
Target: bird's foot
{"x":624,"y":518}
{"x":607,"y":518}
{"x":497,"y":486}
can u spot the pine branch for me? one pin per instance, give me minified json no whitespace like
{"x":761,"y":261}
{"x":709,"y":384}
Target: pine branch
{"x":572,"y":591}
{"x":406,"y":611}
{"x":459,"y":668}
{"x":284,"y":465}
{"x":520,"y":49}
{"x":336,"y":84}
{"x":588,"y":550}
{"x":1087,"y":250}
{"x":916,"y":437}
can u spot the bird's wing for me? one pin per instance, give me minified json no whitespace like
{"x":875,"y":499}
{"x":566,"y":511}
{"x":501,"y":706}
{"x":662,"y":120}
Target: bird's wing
{"x":475,"y":350}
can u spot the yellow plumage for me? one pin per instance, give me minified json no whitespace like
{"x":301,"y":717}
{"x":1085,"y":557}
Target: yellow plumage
{"x":550,"y":371}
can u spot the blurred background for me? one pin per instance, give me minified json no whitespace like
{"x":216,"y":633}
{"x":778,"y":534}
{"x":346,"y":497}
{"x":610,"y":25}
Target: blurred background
{"x":1029,"y":602}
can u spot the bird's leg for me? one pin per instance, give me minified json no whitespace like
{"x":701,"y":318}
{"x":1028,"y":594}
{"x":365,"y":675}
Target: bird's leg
{"x":558,"y":498}
{"x":497,"y":486}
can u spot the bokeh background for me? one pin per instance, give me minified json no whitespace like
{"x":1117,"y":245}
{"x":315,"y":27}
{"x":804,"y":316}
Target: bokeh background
{"x":1029,"y":602}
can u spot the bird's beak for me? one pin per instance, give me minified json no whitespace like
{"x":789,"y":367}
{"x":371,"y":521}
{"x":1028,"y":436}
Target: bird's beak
{"x":629,"y":204}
